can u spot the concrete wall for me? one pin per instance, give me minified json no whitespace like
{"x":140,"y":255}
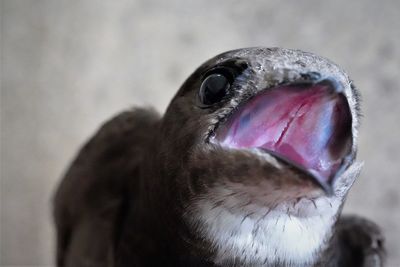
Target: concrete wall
{"x":68,"y":65}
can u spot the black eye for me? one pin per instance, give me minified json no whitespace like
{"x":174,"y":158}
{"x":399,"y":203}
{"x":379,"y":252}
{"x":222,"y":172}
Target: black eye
{"x":214,"y":88}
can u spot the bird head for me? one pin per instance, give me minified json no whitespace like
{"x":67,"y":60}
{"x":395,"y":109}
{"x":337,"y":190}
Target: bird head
{"x":262,"y":136}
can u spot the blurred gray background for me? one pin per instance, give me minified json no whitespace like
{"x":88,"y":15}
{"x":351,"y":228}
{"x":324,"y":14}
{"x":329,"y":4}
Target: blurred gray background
{"x":67,"y":66}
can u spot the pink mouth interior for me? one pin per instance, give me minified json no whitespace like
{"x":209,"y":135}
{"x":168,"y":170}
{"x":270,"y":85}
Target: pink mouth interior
{"x":310,"y":127}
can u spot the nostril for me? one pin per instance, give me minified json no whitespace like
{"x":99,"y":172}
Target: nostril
{"x":380,"y":243}
{"x":312,"y":76}
{"x":333,"y":84}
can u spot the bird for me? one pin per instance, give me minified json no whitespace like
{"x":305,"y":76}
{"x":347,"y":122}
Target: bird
{"x":249,"y":166}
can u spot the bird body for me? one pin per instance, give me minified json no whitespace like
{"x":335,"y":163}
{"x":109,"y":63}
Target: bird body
{"x":249,"y":166}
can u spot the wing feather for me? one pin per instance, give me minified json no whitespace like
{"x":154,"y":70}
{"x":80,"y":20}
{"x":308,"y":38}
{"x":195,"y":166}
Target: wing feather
{"x":90,"y":199}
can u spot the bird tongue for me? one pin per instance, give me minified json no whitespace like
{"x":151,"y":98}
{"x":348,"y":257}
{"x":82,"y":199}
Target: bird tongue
{"x":307,"y":126}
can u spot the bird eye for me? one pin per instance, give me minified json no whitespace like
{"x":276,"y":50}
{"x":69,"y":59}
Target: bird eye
{"x":213,"y":88}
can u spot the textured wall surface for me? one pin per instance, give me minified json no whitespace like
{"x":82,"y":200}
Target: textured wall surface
{"x":68,"y":65}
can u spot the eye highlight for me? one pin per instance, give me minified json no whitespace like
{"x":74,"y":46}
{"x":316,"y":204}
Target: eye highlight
{"x":213,"y":88}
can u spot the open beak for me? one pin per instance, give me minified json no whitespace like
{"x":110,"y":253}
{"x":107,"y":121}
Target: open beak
{"x":307,"y":125}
